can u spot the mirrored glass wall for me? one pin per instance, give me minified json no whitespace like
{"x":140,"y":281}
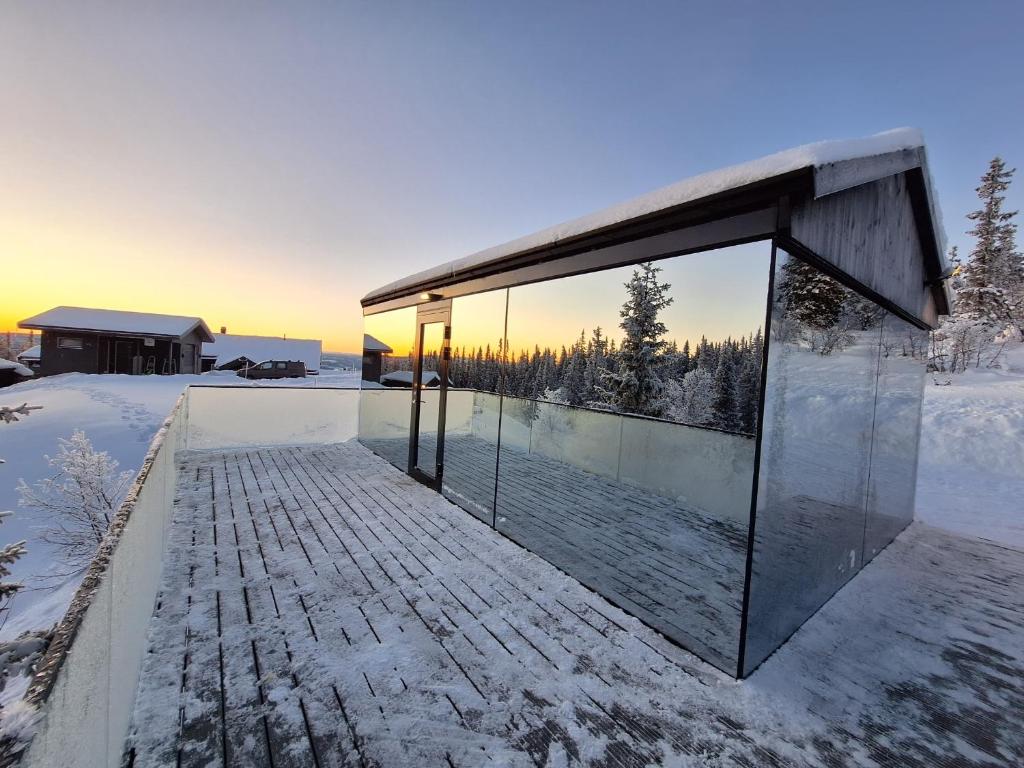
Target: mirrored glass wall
{"x":838,"y":447}
{"x":606,"y":422}
{"x":627,"y":448}
{"x":474,"y":401}
{"x":385,"y":404}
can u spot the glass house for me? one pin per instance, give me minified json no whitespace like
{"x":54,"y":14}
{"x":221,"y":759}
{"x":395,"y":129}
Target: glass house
{"x":704,"y":404}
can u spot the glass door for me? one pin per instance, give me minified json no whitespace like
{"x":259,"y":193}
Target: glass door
{"x":429,"y":393}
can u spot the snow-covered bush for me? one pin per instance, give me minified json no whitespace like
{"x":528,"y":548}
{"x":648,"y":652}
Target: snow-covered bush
{"x":79,"y":500}
{"x":963,"y":342}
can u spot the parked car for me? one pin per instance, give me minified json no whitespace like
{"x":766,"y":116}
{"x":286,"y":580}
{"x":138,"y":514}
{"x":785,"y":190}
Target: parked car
{"x":275,"y":369}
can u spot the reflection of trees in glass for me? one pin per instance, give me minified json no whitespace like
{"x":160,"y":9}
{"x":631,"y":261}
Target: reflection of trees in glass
{"x":710,"y":383}
{"x":820,"y":311}
{"x":636,"y":386}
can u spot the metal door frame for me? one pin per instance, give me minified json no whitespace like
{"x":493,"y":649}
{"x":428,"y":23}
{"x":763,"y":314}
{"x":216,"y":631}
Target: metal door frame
{"x":435,"y":312}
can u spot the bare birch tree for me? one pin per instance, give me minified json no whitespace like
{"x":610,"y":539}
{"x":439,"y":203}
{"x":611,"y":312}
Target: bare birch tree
{"x":79,"y":500}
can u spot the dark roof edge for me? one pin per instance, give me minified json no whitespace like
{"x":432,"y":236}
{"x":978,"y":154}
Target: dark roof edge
{"x":691,"y":213}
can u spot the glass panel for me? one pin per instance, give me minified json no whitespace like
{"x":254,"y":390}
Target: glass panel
{"x":432,"y":344}
{"x":385,"y":402}
{"x":815,"y":451}
{"x":901,"y":379}
{"x":474,"y":402}
{"x":627,"y":454}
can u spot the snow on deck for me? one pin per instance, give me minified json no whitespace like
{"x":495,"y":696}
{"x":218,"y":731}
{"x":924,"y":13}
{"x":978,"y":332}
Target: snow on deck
{"x":321,"y":608}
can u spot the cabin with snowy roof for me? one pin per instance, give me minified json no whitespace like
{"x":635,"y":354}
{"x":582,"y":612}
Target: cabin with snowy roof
{"x":373,"y":357}
{"x":87,"y":340}
{"x":30,"y":357}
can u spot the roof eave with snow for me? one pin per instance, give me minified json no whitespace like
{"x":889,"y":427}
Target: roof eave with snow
{"x":114,"y":322}
{"x":817,"y":170}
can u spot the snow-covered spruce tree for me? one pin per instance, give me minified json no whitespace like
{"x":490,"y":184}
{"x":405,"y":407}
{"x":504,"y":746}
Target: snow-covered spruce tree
{"x":723,"y":400}
{"x":9,"y":553}
{"x":748,"y":384}
{"x":79,"y":500}
{"x":596,"y":364}
{"x":635,"y":386}
{"x":698,"y":395}
{"x":812,"y":298}
{"x":991,"y":282}
{"x":574,"y":373}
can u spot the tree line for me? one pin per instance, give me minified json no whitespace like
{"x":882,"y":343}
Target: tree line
{"x":710,"y":383}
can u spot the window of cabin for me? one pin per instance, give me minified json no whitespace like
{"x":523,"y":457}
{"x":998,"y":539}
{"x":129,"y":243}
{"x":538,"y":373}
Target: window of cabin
{"x":69,"y":342}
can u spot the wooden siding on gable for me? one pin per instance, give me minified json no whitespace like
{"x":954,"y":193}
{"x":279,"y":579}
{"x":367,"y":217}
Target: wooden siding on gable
{"x":869,"y":232}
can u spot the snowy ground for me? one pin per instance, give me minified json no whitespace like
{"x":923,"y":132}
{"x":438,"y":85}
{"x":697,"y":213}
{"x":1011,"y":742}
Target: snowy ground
{"x":971,"y":473}
{"x":971,"y":477}
{"x":120,"y":415}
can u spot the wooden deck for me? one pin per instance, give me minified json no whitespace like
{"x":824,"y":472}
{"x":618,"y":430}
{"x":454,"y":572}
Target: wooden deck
{"x":319,"y":608}
{"x":677,"y":569}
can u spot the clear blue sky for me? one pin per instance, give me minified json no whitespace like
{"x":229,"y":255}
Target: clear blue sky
{"x":324,"y":149}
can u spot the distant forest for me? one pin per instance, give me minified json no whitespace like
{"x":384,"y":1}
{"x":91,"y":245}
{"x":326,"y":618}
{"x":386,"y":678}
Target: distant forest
{"x":712,"y":384}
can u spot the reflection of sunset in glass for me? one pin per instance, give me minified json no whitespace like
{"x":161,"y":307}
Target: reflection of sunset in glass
{"x":717,"y":294}
{"x":396,"y":328}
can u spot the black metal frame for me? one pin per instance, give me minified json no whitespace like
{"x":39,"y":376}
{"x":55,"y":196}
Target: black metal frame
{"x":428,"y":314}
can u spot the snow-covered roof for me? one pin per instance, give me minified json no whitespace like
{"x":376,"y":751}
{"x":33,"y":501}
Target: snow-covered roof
{"x":32,"y":353}
{"x":226,"y":347}
{"x":837,"y":165}
{"x":18,"y":368}
{"x":428,"y":378}
{"x":117,"y":321}
{"x":373,"y":344}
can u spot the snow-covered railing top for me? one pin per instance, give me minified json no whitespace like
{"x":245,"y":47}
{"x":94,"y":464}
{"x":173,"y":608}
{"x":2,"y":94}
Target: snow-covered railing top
{"x":836,"y":165}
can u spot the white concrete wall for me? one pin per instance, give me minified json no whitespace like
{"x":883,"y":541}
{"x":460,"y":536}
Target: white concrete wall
{"x":702,"y":468}
{"x":85,"y":716}
{"x":461,"y":410}
{"x":384,"y":413}
{"x":87,"y":712}
{"x":228,"y":417}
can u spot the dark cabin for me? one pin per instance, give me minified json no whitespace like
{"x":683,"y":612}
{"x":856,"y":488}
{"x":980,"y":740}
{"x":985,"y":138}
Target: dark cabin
{"x":83,"y":340}
{"x":373,"y":357}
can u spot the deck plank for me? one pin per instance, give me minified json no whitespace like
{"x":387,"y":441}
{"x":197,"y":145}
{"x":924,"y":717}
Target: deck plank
{"x":360,"y":619}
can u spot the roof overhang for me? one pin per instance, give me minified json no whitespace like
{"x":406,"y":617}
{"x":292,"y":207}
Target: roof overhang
{"x":732,"y":214}
{"x":204,"y":332}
